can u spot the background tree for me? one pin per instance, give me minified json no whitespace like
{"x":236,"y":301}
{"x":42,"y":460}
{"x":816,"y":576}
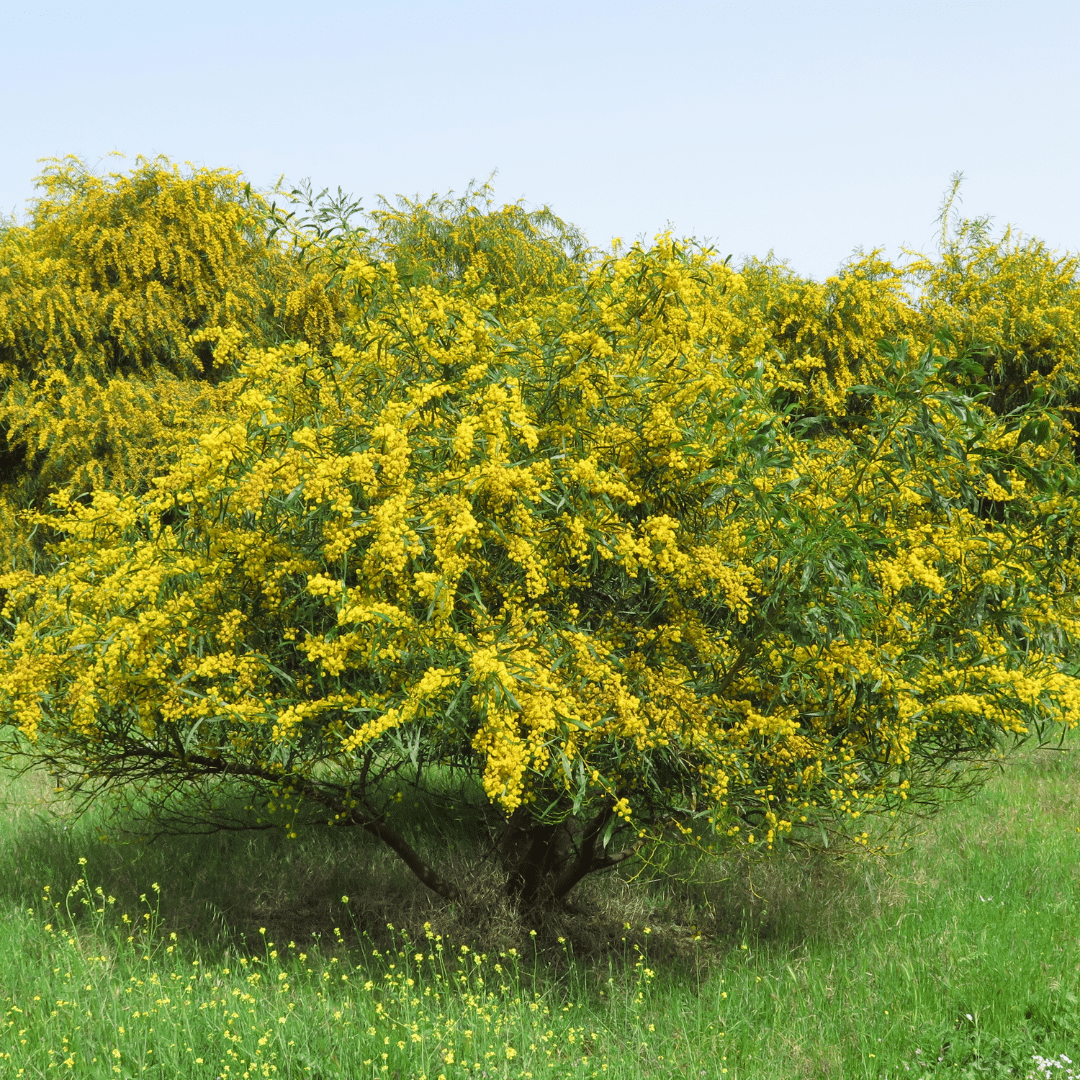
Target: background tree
{"x":517,"y":253}
{"x":125,"y":301}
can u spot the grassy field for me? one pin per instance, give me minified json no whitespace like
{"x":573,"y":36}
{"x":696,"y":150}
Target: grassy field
{"x":248,"y":955}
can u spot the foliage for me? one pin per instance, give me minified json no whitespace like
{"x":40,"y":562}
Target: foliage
{"x":123,"y":300}
{"x":519,"y":253}
{"x":1017,"y":302}
{"x":1009,"y":299}
{"x":593,"y":549}
{"x":820,"y":339}
{"x":127,"y":300}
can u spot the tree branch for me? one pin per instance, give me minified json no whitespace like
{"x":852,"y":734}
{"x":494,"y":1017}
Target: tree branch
{"x":373,"y":824}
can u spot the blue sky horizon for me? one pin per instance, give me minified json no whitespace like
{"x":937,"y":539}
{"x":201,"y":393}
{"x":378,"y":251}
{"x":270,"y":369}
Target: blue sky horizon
{"x":804,"y":129}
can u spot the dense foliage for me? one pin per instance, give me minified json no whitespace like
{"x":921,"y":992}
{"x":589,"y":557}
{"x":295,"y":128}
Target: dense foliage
{"x":645,"y":549}
{"x":122,"y":301}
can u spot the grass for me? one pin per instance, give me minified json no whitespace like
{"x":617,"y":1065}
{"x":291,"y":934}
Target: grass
{"x":247,"y":955}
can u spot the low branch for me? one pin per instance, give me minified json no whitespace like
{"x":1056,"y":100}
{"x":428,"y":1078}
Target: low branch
{"x":372,"y":823}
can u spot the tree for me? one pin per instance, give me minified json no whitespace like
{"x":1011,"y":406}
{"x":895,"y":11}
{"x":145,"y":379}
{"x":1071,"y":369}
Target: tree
{"x":519,"y":253}
{"x":587,"y":565}
{"x":1017,"y":303}
{"x":125,"y":300}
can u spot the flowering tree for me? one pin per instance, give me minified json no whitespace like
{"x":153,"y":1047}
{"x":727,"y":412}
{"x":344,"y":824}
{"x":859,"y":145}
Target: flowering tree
{"x":125,"y":301}
{"x":583,"y":558}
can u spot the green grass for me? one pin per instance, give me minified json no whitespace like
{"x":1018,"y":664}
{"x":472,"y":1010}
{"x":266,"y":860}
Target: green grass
{"x":959,"y":957}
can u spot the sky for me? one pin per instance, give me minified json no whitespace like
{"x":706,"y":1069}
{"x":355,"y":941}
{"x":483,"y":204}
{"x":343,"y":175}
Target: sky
{"x":807,"y":130}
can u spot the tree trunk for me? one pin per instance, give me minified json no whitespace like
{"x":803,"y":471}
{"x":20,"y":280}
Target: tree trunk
{"x":534,"y":854}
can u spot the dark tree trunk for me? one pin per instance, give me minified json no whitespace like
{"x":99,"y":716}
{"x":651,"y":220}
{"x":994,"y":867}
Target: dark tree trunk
{"x":534,"y":854}
{"x":544,"y":861}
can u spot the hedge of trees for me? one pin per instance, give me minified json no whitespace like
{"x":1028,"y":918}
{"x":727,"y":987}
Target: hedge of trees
{"x":628,"y":550}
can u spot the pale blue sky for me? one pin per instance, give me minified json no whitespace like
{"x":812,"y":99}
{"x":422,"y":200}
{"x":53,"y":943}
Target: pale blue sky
{"x":804,"y":128}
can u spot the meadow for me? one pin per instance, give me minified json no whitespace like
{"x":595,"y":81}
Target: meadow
{"x":250,"y":955}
